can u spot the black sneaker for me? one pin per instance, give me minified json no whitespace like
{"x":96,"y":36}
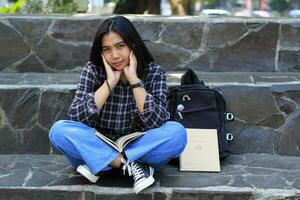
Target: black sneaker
{"x":142,"y":176}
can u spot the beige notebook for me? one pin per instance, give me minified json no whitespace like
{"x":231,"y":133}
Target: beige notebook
{"x":201,"y":152}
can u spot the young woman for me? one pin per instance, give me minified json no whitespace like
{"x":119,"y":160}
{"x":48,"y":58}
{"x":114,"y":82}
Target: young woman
{"x":121,"y":91}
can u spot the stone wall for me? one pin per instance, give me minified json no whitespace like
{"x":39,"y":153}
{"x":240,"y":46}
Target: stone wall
{"x":55,"y":44}
{"x":266,"y":118}
{"x":254,"y":62}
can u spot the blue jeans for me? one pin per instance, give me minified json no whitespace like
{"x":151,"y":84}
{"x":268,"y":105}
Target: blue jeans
{"x":80,"y":145}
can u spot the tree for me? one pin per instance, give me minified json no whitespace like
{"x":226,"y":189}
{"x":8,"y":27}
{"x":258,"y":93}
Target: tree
{"x":137,"y":7}
{"x":279,"y":5}
{"x":179,"y":7}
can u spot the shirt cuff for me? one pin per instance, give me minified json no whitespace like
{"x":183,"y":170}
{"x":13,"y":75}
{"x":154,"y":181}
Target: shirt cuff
{"x":149,"y":104}
{"x":90,"y":103}
{"x":148,"y":108}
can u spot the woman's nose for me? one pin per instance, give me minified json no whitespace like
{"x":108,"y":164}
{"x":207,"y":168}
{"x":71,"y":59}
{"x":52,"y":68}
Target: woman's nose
{"x":115,"y":54}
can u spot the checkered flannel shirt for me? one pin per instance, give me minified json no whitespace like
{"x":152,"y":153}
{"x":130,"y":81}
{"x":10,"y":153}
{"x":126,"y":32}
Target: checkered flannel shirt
{"x":119,"y":114}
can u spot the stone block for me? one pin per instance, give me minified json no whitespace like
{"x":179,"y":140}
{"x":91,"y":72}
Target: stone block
{"x":285,"y":105}
{"x":20,"y":106}
{"x":132,"y":196}
{"x":288,"y":60}
{"x":290,"y":138}
{"x":206,"y":195}
{"x":264,"y":182}
{"x":27,"y":194}
{"x":149,"y":31}
{"x":75,"y":30}
{"x":184,"y":35}
{"x":62,"y":56}
{"x":250,"y":104}
{"x":255,"y":140}
{"x":54,"y":106}
{"x":253,"y":52}
{"x":12,"y":48}
{"x":224,"y":34}
{"x":290,"y":35}
{"x":34,"y":141}
{"x":30,"y":64}
{"x":202,"y":180}
{"x":32,"y":29}
{"x":9,"y":140}
{"x":168,"y":57}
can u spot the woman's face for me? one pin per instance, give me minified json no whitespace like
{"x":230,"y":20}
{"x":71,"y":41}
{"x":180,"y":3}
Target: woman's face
{"x":115,"y":50}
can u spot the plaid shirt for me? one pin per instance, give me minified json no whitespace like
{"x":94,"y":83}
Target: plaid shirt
{"x":119,"y":114}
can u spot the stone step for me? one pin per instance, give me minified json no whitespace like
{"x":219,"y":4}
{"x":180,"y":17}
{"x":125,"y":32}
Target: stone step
{"x":62,"y":44}
{"x":265,"y":105}
{"x":242,"y":177}
{"x":69,"y":80}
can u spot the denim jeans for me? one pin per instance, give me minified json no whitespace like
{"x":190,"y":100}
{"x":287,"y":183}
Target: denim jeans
{"x":80,"y":145}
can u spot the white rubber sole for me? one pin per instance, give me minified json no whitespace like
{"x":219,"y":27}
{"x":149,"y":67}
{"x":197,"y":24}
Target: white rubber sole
{"x":84,"y":171}
{"x":145,"y":183}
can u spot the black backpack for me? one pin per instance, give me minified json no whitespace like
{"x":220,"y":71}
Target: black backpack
{"x":195,"y":105}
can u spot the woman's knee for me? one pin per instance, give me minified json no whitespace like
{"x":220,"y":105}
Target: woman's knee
{"x":177,"y":133}
{"x":56,"y":130}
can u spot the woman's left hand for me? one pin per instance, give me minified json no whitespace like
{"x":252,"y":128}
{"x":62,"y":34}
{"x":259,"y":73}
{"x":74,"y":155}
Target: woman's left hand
{"x":130,"y":71}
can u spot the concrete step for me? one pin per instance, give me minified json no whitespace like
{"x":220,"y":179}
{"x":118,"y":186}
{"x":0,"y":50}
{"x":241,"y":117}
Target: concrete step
{"x":242,"y":177}
{"x":265,"y":105}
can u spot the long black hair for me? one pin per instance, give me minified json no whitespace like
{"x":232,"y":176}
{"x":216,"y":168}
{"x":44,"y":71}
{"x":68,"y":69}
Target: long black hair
{"x":131,"y":37}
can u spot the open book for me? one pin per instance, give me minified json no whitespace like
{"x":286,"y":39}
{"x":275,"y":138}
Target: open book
{"x":121,"y":142}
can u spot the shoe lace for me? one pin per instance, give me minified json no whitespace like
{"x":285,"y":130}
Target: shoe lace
{"x":137,"y":171}
{"x":126,"y":166}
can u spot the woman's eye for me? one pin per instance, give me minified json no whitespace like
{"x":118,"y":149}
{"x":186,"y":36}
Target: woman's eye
{"x":121,"y":45}
{"x":105,"y":50}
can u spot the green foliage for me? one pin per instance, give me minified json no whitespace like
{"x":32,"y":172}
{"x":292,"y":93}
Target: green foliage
{"x":208,"y":1}
{"x":62,"y":6}
{"x":34,"y":6}
{"x":14,"y":8}
{"x":108,"y":1}
{"x":37,"y":7}
{"x":4,"y":10}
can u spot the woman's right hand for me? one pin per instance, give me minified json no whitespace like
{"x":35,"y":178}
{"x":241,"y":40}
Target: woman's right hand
{"x":112,"y":76}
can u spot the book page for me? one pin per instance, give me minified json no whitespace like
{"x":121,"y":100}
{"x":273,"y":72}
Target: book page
{"x":108,"y":141}
{"x":201,"y":152}
{"x":124,"y":140}
{"x":121,"y":142}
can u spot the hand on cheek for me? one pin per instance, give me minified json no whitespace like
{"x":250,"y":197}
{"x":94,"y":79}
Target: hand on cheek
{"x":113,"y":76}
{"x":130,"y":70}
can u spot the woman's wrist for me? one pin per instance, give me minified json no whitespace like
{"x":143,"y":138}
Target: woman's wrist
{"x":134,"y":80}
{"x":108,"y":86}
{"x":110,"y":83}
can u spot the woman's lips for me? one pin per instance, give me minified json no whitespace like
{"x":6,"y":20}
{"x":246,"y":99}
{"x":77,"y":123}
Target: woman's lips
{"x":117,"y":64}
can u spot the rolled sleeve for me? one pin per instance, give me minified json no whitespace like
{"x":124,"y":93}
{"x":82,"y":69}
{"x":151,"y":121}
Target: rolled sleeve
{"x":90,"y":103}
{"x":83,"y":107}
{"x":155,"y":112}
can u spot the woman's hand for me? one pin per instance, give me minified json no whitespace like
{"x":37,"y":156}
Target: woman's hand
{"x":113,"y":77}
{"x":130,"y":71}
